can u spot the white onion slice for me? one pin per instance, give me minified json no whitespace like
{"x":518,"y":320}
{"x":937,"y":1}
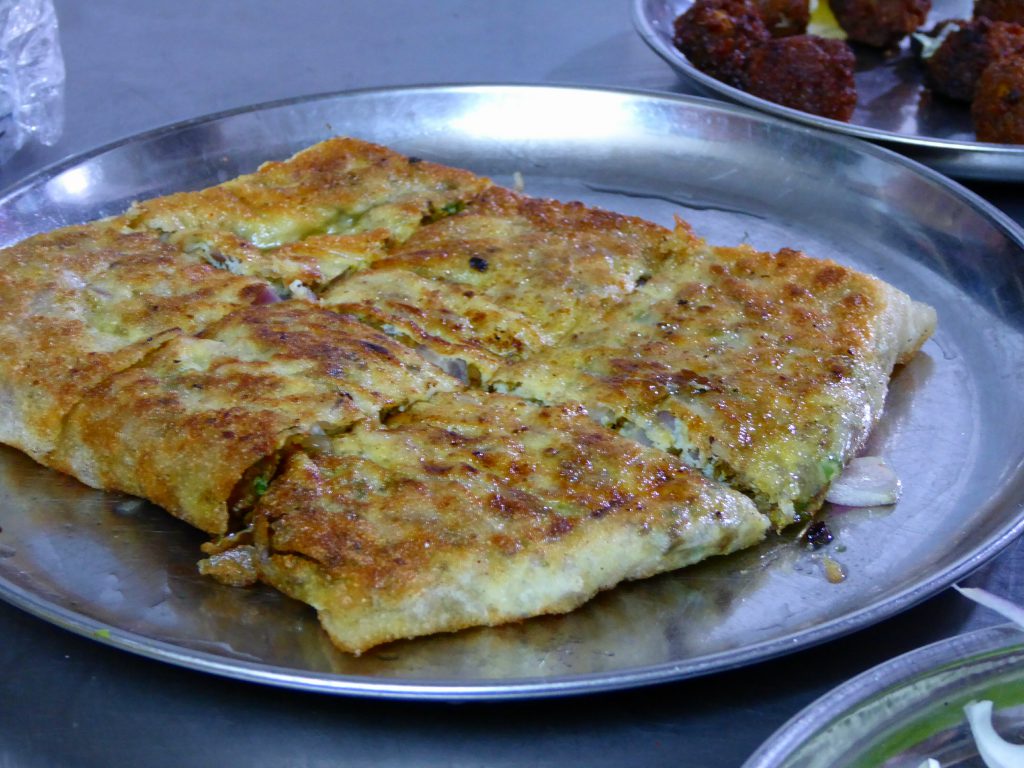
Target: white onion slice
{"x":299,"y":290}
{"x":929,"y":45}
{"x":994,"y":750}
{"x":865,"y":482}
{"x":1000,"y":605}
{"x":931,"y":762}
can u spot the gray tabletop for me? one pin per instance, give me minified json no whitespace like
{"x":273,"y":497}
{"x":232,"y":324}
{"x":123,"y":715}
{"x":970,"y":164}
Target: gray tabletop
{"x":68,"y":701}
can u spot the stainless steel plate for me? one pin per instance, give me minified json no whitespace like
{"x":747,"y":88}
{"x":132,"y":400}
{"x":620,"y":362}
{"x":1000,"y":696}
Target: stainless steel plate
{"x":909,"y":709}
{"x":892,"y":107}
{"x":123,"y":572}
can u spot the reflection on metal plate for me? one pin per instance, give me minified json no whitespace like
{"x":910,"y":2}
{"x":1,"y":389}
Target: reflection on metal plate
{"x":893,"y":107}
{"x":124,"y":572}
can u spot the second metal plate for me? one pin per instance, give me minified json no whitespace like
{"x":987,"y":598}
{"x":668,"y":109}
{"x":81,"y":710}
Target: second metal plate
{"x":893,"y":108}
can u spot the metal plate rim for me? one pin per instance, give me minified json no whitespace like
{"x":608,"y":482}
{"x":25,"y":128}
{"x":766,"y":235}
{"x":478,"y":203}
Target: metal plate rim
{"x":524,"y":687}
{"x":845,"y":698}
{"x":705,"y":102}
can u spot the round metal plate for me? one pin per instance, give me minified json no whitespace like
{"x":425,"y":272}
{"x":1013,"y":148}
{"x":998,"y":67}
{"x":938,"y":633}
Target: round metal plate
{"x":123,"y":572}
{"x":893,"y":106}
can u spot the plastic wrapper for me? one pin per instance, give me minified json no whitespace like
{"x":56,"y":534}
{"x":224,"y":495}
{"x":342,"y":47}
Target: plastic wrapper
{"x":31,"y":75}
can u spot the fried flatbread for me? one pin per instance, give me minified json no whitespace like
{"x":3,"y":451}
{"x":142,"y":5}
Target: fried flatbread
{"x":476,"y":509}
{"x":79,"y":304}
{"x":343,"y":198}
{"x":197,"y":426}
{"x":623,"y":399}
{"x":765,"y":370}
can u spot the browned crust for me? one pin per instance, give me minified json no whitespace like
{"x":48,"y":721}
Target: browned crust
{"x":183,"y":427}
{"x":552,"y":262}
{"x":416,"y":527}
{"x":81,"y":303}
{"x":772,"y":366}
{"x":341,"y":187}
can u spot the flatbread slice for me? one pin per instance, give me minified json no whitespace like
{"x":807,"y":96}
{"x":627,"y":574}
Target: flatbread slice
{"x":550,"y":262}
{"x":350,"y":196}
{"x":81,"y":303}
{"x":765,"y":370}
{"x":197,"y":427}
{"x":505,"y":277}
{"x":474,"y":509}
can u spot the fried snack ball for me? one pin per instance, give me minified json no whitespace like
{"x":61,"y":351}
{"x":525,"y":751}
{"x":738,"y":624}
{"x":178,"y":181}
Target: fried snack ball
{"x":718,"y":35}
{"x":805,"y":72}
{"x":1000,"y":10}
{"x":785,"y":17}
{"x":954,"y":68}
{"x":998,"y":106}
{"x":880,"y":23}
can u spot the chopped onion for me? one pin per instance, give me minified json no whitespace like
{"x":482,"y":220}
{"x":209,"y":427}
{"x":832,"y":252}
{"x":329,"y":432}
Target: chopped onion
{"x":994,"y":750}
{"x":1000,"y":605}
{"x":298,"y":290}
{"x":266,"y":295}
{"x":931,"y":762}
{"x":453,"y":366}
{"x":865,"y":482}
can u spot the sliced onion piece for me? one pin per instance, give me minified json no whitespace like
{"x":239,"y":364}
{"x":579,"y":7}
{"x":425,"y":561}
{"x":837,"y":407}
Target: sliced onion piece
{"x":1000,"y":605}
{"x":865,"y":482}
{"x":994,"y":750}
{"x":929,"y":44}
{"x":931,"y":762}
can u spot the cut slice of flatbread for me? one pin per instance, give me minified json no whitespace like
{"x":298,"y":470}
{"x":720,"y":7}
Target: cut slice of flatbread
{"x":765,"y":370}
{"x":552,"y":262}
{"x":198,"y":425}
{"x":507,"y":276}
{"x":344,"y":198}
{"x":81,"y":303}
{"x":463,"y":331}
{"x":475,"y":509}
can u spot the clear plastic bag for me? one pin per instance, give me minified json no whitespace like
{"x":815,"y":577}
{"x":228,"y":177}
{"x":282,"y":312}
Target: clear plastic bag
{"x":31,"y":75}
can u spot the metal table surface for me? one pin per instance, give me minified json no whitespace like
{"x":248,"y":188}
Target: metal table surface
{"x":69,"y":701}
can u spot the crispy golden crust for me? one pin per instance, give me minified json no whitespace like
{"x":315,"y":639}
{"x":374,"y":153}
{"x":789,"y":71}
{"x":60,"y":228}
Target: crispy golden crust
{"x":341,"y":187}
{"x":765,"y":369}
{"x":478,"y":509}
{"x":553,"y":263}
{"x":184,"y":426}
{"x":506,"y":277}
{"x":81,"y":303}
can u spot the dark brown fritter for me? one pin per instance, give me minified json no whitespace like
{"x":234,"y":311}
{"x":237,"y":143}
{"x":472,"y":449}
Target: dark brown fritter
{"x":998,"y":107}
{"x":880,"y":23}
{"x":805,"y":72}
{"x":953,"y":70}
{"x":1000,"y":10}
{"x":785,"y":17}
{"x":718,"y":35}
